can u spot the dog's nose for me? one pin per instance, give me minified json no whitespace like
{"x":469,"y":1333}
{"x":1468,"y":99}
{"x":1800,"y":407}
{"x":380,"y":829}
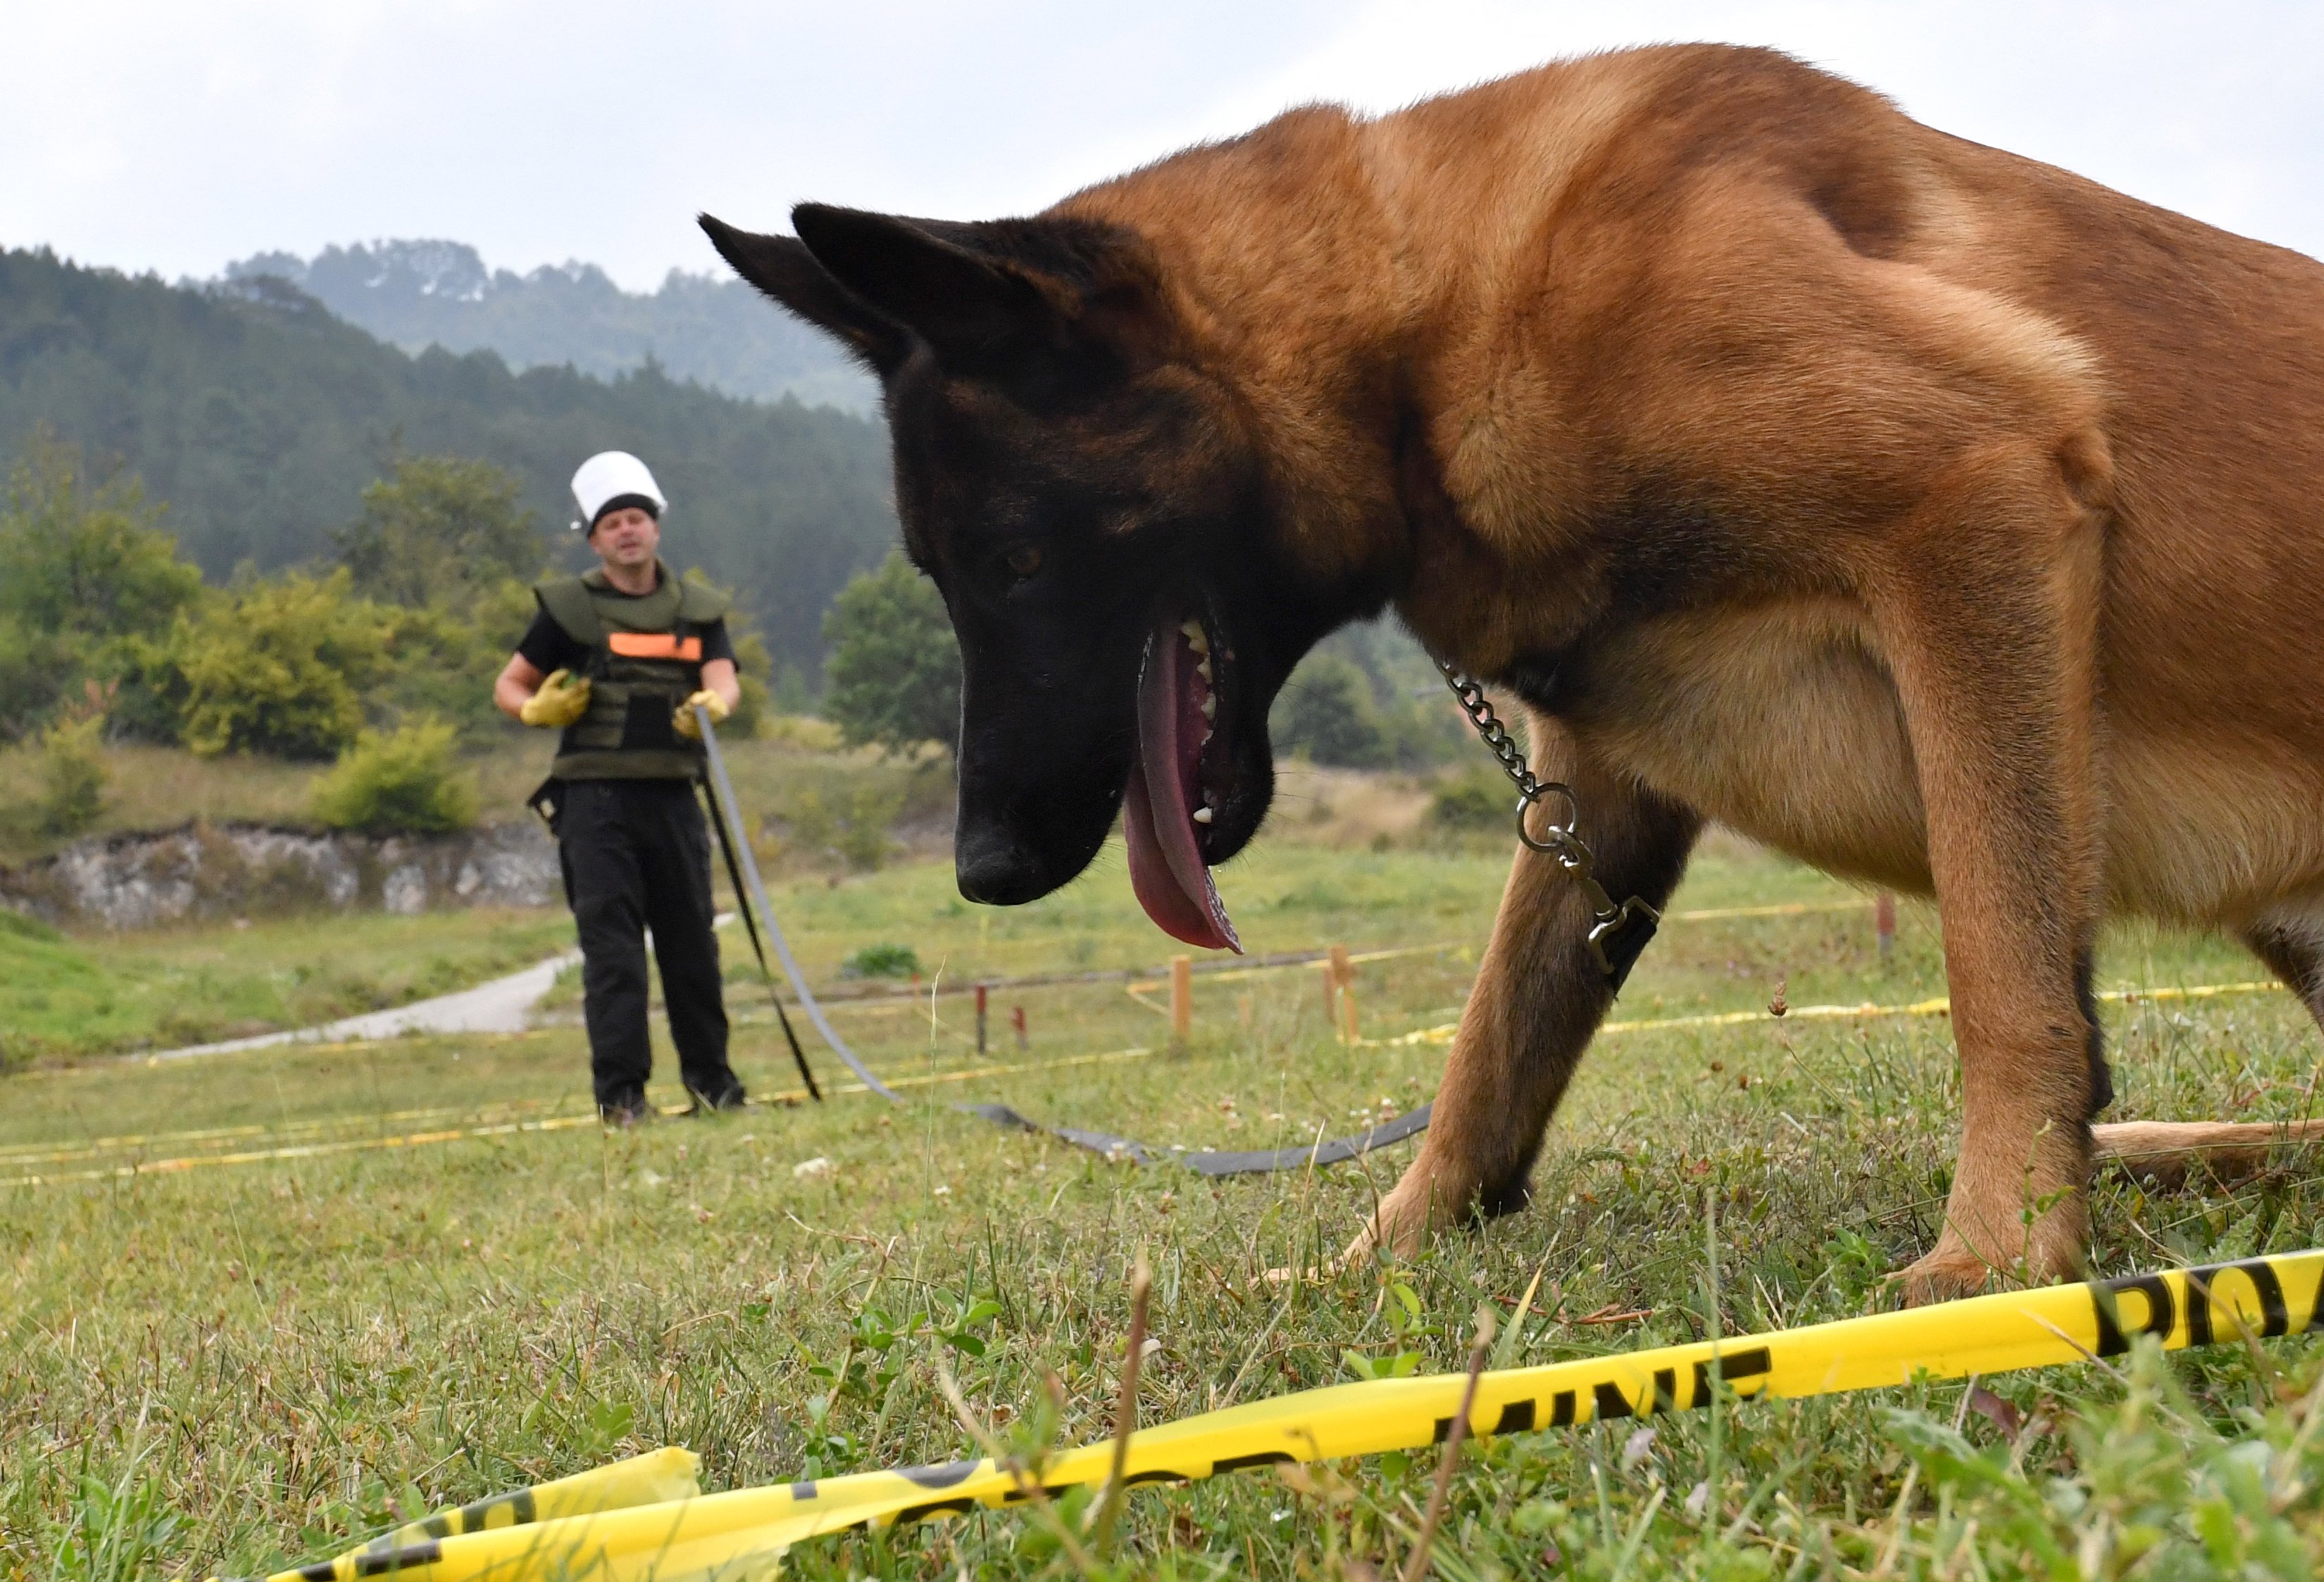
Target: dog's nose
{"x":994,"y":869}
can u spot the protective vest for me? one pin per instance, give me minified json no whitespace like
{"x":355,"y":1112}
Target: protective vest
{"x":645,"y":658}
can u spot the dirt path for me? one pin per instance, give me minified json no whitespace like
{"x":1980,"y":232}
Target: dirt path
{"x":505,"y":1005}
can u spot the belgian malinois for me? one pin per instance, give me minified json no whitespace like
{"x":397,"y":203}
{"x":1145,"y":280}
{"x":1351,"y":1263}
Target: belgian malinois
{"x":1940,"y":518}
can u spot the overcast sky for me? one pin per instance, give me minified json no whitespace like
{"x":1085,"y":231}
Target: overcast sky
{"x":177,"y":136}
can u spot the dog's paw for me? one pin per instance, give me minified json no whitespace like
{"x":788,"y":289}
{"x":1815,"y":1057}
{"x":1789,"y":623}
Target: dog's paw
{"x":1278,"y":1278}
{"x":1945,"y":1274}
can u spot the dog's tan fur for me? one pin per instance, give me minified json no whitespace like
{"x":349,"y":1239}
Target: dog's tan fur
{"x":1940,"y":516}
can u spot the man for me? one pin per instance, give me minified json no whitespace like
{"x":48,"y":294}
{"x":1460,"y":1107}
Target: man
{"x":617,"y":658}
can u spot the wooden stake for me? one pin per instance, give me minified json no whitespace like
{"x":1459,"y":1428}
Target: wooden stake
{"x":1182,"y":997}
{"x":1341,"y":975}
{"x":980,"y":992}
{"x":1884,"y":922}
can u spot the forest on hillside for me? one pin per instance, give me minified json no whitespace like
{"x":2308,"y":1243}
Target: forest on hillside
{"x":259,"y":417}
{"x":710,"y":328}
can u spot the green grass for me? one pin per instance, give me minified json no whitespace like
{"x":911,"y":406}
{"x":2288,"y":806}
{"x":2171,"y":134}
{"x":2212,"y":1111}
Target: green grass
{"x":282,"y":1353}
{"x":113,"y":993}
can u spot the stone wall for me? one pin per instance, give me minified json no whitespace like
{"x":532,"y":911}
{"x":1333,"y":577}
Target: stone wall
{"x":204,"y":871}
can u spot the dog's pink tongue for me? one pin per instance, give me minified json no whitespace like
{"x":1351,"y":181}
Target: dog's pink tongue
{"x":1166,"y":866}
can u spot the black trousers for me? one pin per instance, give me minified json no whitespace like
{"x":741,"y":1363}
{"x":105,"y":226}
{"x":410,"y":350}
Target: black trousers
{"x":636,"y":855}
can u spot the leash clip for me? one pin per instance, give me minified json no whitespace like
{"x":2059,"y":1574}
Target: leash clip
{"x":1618,"y":933}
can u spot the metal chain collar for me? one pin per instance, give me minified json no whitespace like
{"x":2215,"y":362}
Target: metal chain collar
{"x":1563,"y":843}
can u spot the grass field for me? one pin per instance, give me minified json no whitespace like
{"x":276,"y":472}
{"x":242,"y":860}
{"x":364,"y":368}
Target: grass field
{"x":257,"y":1303}
{"x":101,"y":994}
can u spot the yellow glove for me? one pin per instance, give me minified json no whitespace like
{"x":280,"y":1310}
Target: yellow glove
{"x":684,"y":722}
{"x":560,"y":701}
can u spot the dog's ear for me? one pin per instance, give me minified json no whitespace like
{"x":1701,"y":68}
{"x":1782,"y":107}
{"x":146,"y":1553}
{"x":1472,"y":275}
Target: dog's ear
{"x":1015,"y":300}
{"x":784,"y":269}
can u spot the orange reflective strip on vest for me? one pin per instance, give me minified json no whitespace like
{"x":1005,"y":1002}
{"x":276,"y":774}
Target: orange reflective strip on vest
{"x":654,"y":645}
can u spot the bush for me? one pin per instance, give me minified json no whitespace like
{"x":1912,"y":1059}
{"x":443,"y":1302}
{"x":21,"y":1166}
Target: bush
{"x":882,"y":960}
{"x":72,"y":777}
{"x":402,"y":783}
{"x":806,"y":733}
{"x":280,"y":668}
{"x":1479,"y":800}
{"x":894,"y":670}
{"x":854,"y":824}
{"x":864,"y":838}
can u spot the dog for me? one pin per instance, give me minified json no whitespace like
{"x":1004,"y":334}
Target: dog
{"x":1937,"y":517}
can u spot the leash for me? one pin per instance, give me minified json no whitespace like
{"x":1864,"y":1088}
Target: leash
{"x":738,"y":847}
{"x":726,"y":843}
{"x":512,"y":1538}
{"x":1618,"y":933}
{"x":1212,"y":1161}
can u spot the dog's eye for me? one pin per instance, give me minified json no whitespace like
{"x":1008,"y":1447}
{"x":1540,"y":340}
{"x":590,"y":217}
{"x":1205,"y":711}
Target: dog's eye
{"x":1023,"y":561}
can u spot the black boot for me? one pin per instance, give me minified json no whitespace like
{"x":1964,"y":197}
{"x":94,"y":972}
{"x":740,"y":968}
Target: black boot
{"x":621,"y":1114}
{"x":730,"y":1096}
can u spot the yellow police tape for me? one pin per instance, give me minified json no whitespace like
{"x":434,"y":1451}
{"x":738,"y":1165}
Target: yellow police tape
{"x":1943,"y":1006}
{"x":744,"y":1533}
{"x":654,"y":1478}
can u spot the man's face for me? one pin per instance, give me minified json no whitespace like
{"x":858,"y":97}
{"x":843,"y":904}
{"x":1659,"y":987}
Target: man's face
{"x":627,"y":538}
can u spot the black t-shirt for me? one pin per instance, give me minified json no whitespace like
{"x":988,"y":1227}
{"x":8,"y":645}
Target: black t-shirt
{"x":548,"y":645}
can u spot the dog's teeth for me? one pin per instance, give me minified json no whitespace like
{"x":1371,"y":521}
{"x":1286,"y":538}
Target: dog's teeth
{"x":1203,"y":670}
{"x":1210,"y":705}
{"x":1196,"y":639}
{"x":1202,"y":816}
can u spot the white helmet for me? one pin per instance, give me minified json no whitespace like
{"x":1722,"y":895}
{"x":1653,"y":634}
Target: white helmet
{"x":611,"y":478}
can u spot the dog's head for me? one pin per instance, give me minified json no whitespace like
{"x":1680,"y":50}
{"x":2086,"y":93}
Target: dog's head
{"x":1090,"y":501}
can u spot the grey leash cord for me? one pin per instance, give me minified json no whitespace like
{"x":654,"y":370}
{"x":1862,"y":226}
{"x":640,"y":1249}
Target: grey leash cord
{"x":758,"y":948}
{"x":723,"y":793}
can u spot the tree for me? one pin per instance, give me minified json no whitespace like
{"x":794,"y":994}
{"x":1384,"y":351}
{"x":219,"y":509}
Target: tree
{"x":92,"y":560}
{"x":894,"y":672}
{"x":439,"y":664}
{"x":440,"y":531}
{"x":84,"y":568}
{"x":1327,"y":712}
{"x":36,"y":667}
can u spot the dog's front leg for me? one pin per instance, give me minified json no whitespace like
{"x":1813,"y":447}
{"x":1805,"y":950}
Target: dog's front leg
{"x":1987,"y":606}
{"x":1539,"y":995}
